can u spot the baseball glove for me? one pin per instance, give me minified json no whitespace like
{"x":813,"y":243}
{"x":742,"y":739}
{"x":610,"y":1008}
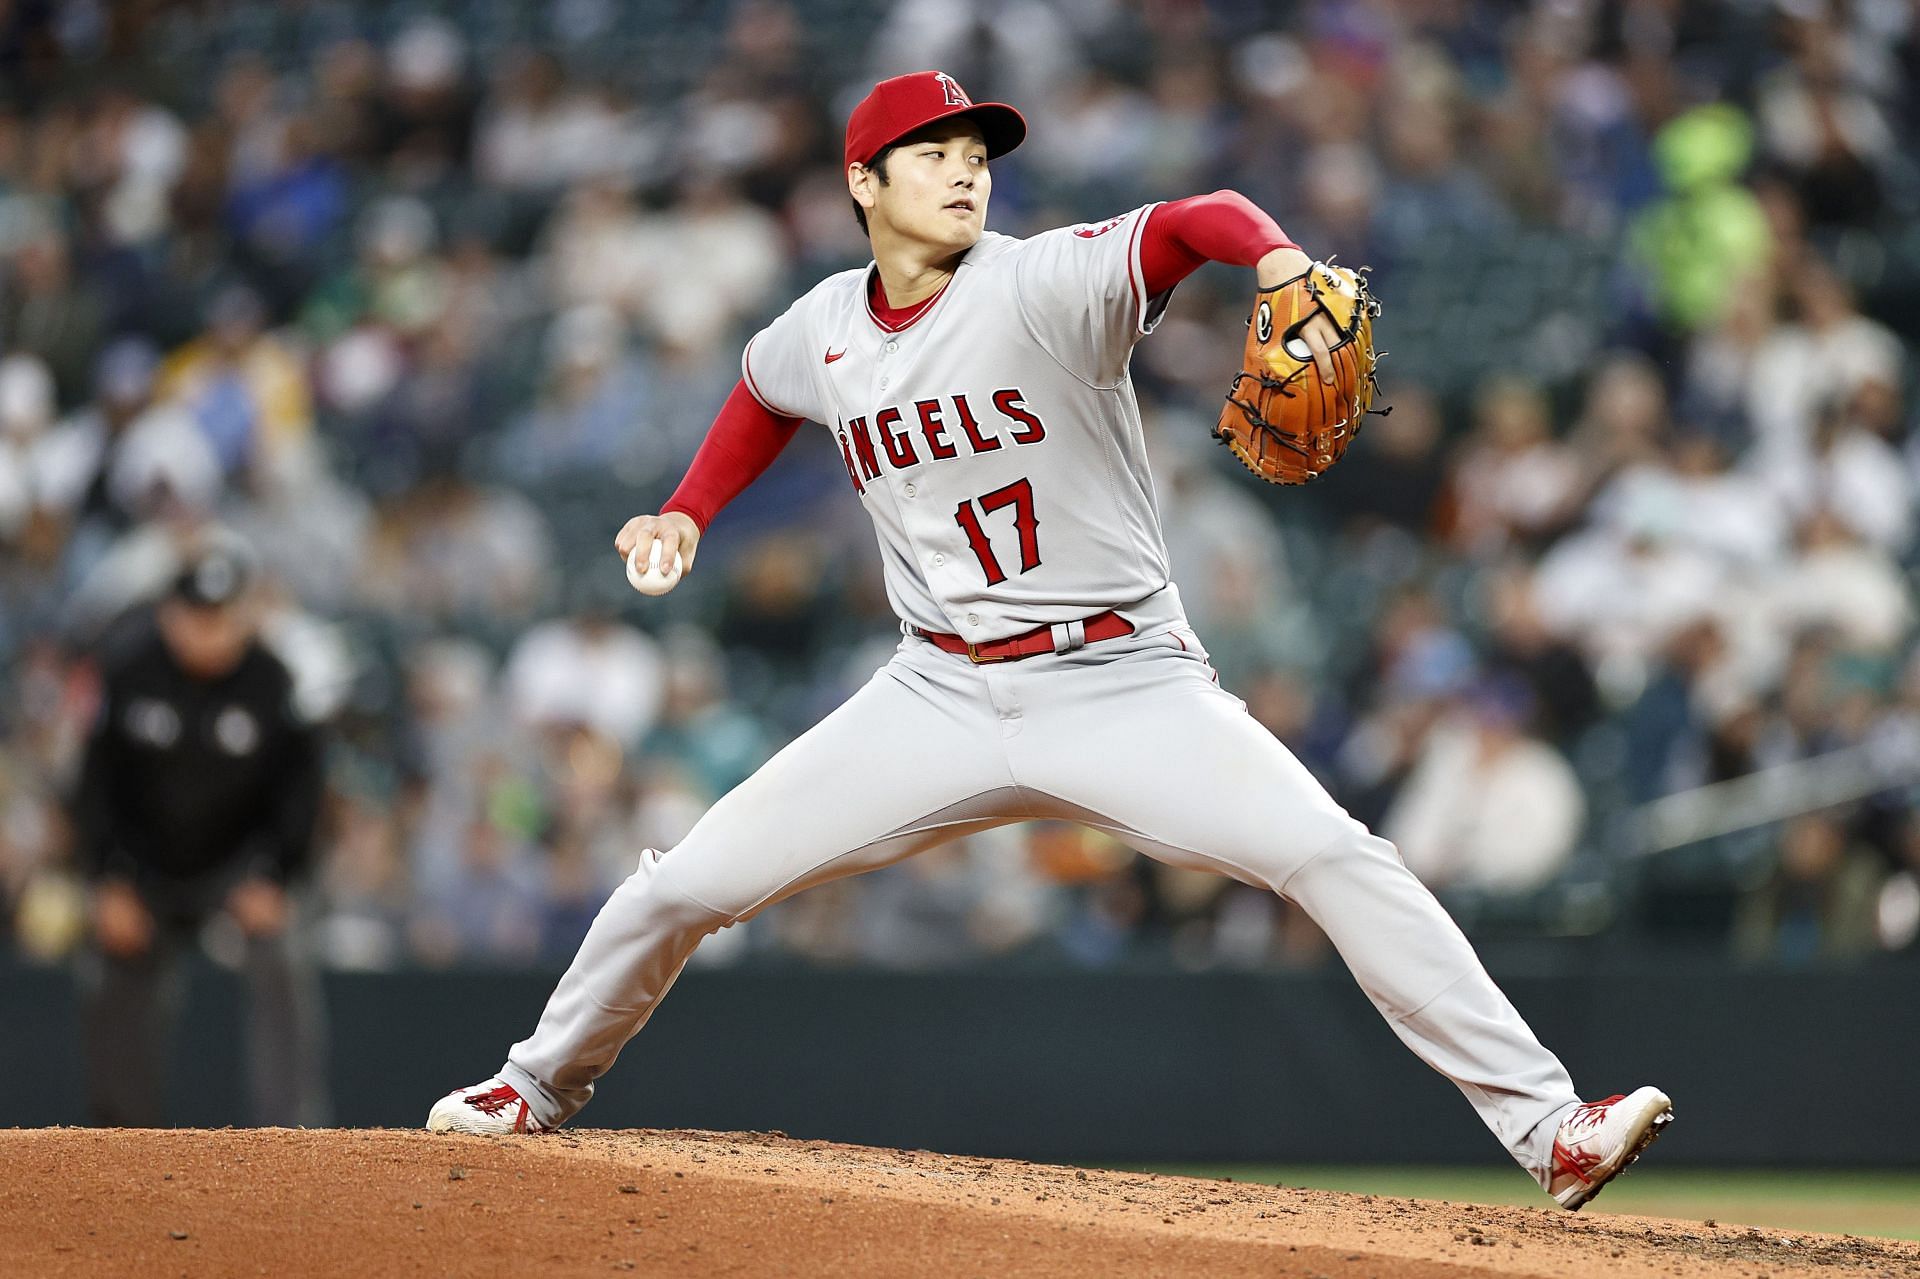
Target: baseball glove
{"x":1280,"y":419}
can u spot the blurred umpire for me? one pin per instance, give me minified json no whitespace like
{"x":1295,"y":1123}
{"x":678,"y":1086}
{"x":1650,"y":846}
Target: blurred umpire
{"x":198,"y":796}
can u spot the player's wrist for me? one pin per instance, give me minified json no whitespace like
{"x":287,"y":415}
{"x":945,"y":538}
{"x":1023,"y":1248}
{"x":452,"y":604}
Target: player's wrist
{"x":1279,"y":265}
{"x":682,"y":520}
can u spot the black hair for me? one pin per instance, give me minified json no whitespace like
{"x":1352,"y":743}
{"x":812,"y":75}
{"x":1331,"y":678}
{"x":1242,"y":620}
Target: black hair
{"x":878,"y":167}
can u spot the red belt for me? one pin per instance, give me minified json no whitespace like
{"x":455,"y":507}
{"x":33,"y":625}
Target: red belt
{"x":1101,"y":626}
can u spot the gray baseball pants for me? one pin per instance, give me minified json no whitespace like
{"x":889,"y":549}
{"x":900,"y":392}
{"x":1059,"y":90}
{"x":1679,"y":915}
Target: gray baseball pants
{"x":1130,"y":735}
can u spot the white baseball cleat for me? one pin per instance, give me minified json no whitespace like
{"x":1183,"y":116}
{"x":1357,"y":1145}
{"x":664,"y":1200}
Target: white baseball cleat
{"x":1600,"y":1138}
{"x":489,"y":1109}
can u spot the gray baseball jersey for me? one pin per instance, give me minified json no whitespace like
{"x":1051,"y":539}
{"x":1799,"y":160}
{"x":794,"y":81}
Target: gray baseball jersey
{"x":996,"y":443}
{"x":995,"y":439}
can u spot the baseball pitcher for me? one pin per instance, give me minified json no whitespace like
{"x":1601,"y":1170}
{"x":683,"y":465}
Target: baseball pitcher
{"x":976,"y":388}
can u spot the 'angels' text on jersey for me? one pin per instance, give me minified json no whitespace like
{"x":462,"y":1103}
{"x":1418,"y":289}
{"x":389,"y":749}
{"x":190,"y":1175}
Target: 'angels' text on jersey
{"x":896,"y":432}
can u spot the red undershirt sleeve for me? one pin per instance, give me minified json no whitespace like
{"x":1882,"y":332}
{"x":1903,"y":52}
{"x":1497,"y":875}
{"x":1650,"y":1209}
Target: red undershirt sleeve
{"x":1222,"y":227}
{"x":742,"y":444}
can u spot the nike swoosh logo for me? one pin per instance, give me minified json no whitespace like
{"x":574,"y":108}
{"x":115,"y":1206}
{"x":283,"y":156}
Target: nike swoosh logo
{"x":834,"y":355}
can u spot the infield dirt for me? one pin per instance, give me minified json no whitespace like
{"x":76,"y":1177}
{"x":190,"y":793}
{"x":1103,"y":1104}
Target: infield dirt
{"x":277,"y":1202}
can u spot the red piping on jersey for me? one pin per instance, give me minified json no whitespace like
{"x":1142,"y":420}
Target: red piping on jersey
{"x":890,"y":318}
{"x":744,"y":440}
{"x":1136,"y":271}
{"x":753,"y":388}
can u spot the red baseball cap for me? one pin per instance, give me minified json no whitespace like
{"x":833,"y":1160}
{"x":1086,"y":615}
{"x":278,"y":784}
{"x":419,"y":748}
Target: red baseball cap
{"x":905,"y":103}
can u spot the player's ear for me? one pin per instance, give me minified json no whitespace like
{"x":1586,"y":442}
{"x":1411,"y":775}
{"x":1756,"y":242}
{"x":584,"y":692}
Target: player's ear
{"x":861,"y":182}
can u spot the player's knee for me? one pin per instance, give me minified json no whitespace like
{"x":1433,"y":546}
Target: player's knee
{"x":1356,"y":862}
{"x":1363,"y":844}
{"x":664,"y":889}
{"x":1344,"y":849}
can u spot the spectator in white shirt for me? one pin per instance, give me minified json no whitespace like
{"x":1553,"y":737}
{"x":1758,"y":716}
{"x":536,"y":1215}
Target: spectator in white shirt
{"x":1515,"y":482}
{"x":1841,"y":582}
{"x":1827,"y":355}
{"x":587,"y":669}
{"x":1487,"y":807}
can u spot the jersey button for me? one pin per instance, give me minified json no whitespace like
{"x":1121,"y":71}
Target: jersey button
{"x":938,"y":559}
{"x":973,"y":619}
{"x":883,"y":384}
{"x":892,"y":347}
{"x":909,"y":490}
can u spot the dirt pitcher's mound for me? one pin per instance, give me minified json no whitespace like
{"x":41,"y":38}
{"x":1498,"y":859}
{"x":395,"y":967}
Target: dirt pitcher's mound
{"x":274,"y":1202}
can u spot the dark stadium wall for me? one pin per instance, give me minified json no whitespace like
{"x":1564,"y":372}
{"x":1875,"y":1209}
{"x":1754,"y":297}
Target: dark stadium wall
{"x":1105,"y":1066}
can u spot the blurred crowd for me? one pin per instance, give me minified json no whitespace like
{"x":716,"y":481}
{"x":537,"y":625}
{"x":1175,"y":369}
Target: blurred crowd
{"x":423,"y":302}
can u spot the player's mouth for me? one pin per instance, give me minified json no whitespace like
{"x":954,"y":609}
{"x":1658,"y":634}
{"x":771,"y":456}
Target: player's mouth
{"x":964,"y":204}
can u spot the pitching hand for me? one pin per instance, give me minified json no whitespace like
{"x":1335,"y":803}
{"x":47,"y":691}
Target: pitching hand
{"x":674,"y":531}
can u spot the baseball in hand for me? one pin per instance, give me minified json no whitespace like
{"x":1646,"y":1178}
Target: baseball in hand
{"x":650,"y":580}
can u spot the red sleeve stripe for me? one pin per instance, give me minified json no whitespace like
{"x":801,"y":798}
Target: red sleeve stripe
{"x":1134,"y":274}
{"x":753,"y":388}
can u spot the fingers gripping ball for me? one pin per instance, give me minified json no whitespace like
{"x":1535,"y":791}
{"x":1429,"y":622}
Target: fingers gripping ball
{"x":1280,"y":419}
{"x":649,"y":579}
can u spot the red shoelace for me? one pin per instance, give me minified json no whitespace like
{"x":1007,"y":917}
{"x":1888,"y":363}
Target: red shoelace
{"x":1589,"y":1114}
{"x":492,"y":1103}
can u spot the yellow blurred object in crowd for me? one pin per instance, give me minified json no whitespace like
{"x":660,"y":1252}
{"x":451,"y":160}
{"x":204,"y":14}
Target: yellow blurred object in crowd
{"x":52,"y":916}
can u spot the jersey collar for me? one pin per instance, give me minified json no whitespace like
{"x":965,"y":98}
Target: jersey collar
{"x":871,"y":282}
{"x":904,"y":319}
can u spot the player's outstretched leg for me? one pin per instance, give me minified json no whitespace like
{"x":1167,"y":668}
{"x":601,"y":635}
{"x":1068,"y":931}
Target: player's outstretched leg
{"x":908,"y":762}
{"x":1198,"y":782}
{"x":1389,"y":929}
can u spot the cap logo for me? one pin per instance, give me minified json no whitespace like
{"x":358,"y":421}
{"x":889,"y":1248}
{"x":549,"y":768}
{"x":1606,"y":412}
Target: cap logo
{"x":956,"y":96}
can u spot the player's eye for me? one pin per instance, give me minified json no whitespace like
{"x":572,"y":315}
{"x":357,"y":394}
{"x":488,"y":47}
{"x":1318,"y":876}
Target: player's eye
{"x":934,"y":155}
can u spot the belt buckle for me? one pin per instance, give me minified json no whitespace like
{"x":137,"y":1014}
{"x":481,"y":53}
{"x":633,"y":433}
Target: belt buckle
{"x":978,"y":659}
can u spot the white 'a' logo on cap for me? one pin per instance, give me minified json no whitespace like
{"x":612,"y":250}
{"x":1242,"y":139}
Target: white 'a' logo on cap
{"x":956,"y":96}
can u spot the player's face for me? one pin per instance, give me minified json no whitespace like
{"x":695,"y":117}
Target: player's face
{"x":936,"y":190}
{"x":206,"y":642}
